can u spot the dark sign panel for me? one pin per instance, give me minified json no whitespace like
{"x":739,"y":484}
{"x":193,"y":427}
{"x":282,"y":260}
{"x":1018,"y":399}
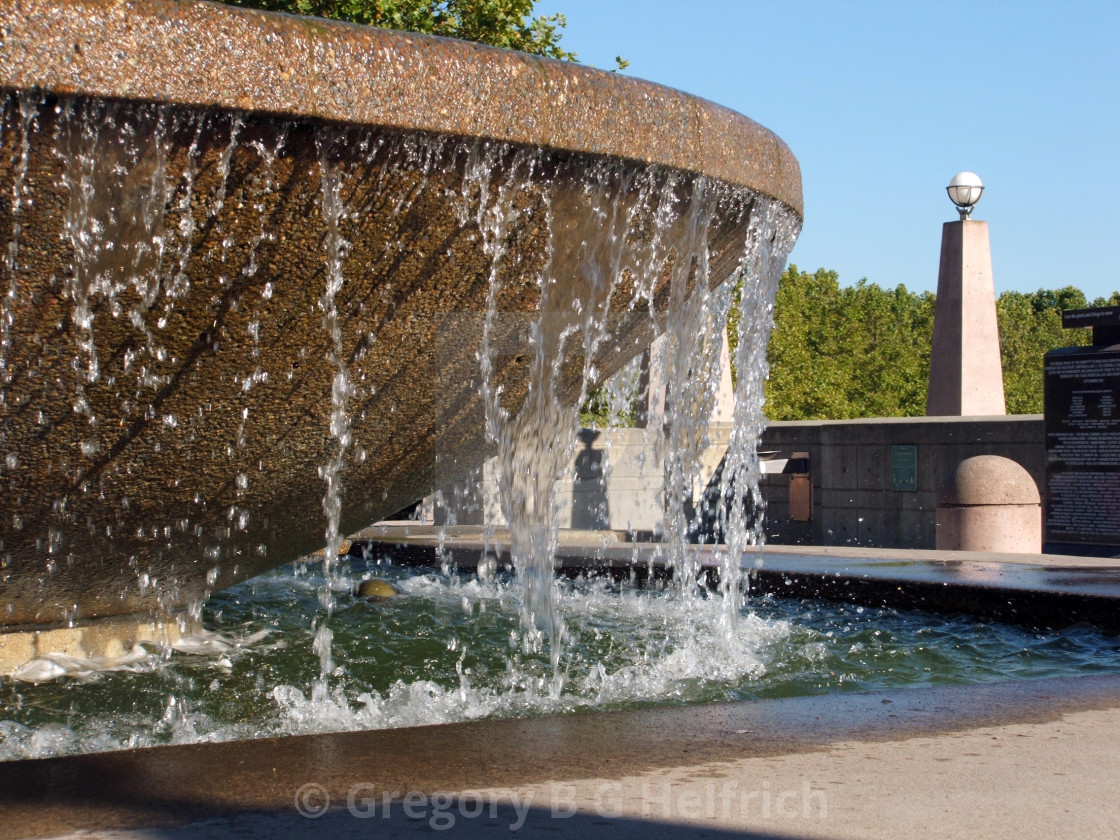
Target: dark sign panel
{"x":1082,"y":387}
{"x":1098,"y":316}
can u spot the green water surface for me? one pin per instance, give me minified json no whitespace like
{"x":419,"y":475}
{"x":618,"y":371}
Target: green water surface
{"x":452,"y":647}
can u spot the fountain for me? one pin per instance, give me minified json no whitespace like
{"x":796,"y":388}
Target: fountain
{"x":269,"y":279}
{"x":254,"y":262}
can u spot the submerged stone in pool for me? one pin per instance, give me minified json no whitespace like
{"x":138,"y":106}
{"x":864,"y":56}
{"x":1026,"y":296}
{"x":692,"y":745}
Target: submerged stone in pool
{"x":376,"y":589}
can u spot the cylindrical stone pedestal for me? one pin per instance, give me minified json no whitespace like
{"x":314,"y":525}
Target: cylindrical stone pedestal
{"x":989,"y":503}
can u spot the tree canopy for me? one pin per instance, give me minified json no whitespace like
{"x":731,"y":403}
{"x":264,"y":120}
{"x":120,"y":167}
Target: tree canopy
{"x":840,"y":352}
{"x":843,"y":352}
{"x":500,"y":23}
{"x":1030,"y":323}
{"x":863,"y":351}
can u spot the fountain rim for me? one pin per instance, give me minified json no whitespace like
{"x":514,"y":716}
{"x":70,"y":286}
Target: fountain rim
{"x":200,"y":54}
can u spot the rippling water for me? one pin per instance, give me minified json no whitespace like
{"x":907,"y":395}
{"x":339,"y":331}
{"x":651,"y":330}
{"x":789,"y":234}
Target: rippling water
{"x":452,"y":648}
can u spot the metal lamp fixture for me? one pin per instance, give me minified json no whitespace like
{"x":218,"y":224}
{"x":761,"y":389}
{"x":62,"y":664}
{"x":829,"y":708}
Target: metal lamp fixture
{"x":964,"y":191}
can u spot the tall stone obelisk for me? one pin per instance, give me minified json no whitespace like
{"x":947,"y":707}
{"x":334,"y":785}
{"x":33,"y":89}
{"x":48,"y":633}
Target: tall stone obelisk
{"x":965,"y":372}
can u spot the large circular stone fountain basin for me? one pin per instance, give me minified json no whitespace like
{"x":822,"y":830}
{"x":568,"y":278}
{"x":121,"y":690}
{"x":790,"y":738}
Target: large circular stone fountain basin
{"x":248,"y":253}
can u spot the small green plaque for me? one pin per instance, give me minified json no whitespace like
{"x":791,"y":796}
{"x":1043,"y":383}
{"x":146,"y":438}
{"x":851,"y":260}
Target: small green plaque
{"x":904,"y":468}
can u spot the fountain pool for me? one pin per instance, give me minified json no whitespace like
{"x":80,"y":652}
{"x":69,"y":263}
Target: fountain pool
{"x":452,"y":648}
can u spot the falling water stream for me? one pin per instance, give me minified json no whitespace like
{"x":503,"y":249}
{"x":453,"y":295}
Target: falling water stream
{"x":293,"y":650}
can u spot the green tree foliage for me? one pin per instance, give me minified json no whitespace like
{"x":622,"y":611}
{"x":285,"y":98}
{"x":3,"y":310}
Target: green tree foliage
{"x":863,"y":351}
{"x":500,"y":23}
{"x":843,"y":352}
{"x":1029,"y":325}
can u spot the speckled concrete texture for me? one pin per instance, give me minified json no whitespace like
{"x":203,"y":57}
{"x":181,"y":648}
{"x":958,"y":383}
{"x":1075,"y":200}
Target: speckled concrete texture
{"x":209,"y":55}
{"x":110,"y":638}
{"x":965,"y":372}
{"x":168,"y":367}
{"x":989,"y":503}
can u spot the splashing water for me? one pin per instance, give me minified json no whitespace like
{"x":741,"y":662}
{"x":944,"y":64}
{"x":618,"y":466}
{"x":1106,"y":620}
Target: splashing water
{"x":614,"y":238}
{"x":447,"y":649}
{"x":535,"y":444}
{"x":743,"y":508}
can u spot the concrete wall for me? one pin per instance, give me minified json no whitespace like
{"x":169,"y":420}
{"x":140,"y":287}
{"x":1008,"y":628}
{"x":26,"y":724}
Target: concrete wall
{"x":614,"y":483}
{"x":850,"y":463}
{"x":615,"y":480}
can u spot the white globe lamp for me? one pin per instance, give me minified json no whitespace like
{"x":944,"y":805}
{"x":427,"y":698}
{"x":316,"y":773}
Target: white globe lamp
{"x":964,"y":191}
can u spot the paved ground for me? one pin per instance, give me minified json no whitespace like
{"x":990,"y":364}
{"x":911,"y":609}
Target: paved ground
{"x":1055,"y":779}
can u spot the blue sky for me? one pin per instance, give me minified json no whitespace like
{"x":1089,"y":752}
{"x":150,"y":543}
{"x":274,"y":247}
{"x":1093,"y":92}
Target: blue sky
{"x":883,"y":102}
